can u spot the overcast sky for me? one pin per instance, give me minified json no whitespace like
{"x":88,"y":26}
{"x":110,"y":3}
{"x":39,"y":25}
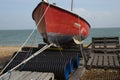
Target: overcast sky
{"x":17,"y":14}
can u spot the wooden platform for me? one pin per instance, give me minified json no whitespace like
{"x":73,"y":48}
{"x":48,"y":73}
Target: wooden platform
{"x":27,"y":75}
{"x":104,"y":53}
{"x":104,"y":61}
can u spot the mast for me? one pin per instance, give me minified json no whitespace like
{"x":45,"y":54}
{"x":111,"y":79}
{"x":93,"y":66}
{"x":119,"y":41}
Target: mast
{"x":45,"y":0}
{"x":71,"y":5}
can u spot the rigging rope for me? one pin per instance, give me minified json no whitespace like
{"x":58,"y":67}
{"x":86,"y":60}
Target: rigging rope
{"x":26,"y":60}
{"x":26,"y":39}
{"x":29,"y":53}
{"x":18,"y":50}
{"x":81,"y":47}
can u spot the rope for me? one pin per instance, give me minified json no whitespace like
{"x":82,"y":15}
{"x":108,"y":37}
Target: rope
{"x":26,"y":60}
{"x":81,"y":49}
{"x":26,"y":39}
{"x":18,"y":51}
{"x":29,"y":53}
{"x":80,"y":43}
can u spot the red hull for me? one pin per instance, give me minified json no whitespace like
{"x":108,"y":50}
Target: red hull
{"x":59,"y":22}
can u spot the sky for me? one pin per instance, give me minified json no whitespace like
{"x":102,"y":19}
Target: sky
{"x":17,"y":14}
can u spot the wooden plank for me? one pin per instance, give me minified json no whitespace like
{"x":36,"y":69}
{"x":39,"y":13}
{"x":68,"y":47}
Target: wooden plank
{"x":95,"y":60}
{"x":28,"y":75}
{"x":10,"y":75}
{"x":105,"y":41}
{"x":90,"y":61}
{"x":23,"y":75}
{"x":16,"y":75}
{"x":33,"y":76}
{"x":105,"y":62}
{"x":116,"y":61}
{"x":42,"y":77}
{"x":100,"y":61}
{"x":107,"y":49}
{"x":111,"y":61}
{"x":50,"y":76}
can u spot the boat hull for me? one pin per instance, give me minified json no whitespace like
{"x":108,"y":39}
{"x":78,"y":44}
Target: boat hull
{"x":59,"y":26}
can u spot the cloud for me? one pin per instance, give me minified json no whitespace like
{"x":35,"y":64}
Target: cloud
{"x":87,"y":15}
{"x":100,"y":18}
{"x":83,"y":12}
{"x":106,"y":19}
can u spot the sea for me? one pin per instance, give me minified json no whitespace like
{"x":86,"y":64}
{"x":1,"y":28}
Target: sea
{"x":18,"y":37}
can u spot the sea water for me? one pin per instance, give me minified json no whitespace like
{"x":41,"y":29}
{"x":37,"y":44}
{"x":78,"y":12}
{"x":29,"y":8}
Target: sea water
{"x":103,"y":32}
{"x":18,"y":37}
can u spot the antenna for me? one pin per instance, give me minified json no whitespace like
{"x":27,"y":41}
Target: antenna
{"x":71,"y":5}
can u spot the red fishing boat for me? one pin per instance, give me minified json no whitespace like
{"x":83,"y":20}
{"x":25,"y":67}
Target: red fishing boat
{"x":59,"y":26}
